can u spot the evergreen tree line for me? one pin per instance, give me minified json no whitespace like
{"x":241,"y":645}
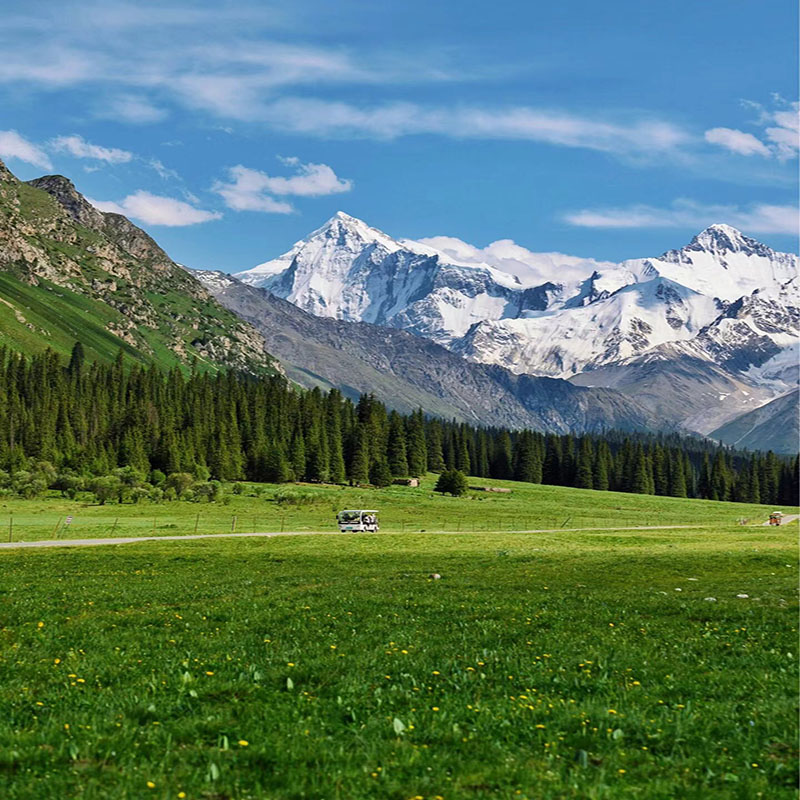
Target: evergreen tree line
{"x":91,"y":419}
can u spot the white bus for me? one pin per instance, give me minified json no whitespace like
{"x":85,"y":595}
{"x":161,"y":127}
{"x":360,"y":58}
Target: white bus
{"x":358,"y":521}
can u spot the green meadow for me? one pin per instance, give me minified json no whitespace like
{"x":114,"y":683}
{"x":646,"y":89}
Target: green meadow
{"x":313,"y":507}
{"x":598,"y":664}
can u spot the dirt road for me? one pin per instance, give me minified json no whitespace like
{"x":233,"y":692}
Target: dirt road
{"x":193,"y":536}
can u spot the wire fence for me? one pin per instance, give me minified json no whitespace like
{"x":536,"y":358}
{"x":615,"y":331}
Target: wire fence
{"x":37,"y":527}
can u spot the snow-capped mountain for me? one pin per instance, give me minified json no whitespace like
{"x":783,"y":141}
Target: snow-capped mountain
{"x":350,"y":271}
{"x":611,"y":326}
{"x":724,"y":299}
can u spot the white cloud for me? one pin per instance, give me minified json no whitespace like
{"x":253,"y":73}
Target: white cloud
{"x":233,"y":76}
{"x":756,"y":218}
{"x":781,"y":132}
{"x":744,"y":144}
{"x":153,"y":209}
{"x":163,"y":172}
{"x":252,"y":189}
{"x":131,"y":108}
{"x":785,"y":133}
{"x":78,"y":146}
{"x":392,"y":120}
{"x":12,"y":145}
{"x":531,"y":268}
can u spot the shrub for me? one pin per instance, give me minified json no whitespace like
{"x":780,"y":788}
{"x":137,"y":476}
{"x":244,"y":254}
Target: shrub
{"x":179,"y":482}
{"x":452,"y":481}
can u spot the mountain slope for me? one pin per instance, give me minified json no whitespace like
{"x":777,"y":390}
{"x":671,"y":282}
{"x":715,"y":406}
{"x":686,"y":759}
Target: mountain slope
{"x":715,"y":324}
{"x":409,"y":371}
{"x":70,"y":272}
{"x":773,"y":426}
{"x":348,"y":270}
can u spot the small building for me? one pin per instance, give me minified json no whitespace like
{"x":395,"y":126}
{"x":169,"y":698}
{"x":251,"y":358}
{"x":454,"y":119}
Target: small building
{"x":414,"y":482}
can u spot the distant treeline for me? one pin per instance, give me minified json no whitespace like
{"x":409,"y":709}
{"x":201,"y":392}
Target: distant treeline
{"x":90,"y":419}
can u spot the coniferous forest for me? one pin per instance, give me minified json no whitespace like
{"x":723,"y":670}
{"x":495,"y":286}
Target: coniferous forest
{"x":62,"y":422}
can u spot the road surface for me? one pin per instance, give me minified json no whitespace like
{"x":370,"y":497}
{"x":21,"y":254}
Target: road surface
{"x":134,"y":539}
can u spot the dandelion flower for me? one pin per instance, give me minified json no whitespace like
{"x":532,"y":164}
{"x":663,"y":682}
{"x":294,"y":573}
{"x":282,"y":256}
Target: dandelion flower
{"x":435,"y":708}
{"x":243,"y":743}
{"x":40,"y":624}
{"x":151,"y":785}
{"x":209,"y":672}
{"x":612,"y":711}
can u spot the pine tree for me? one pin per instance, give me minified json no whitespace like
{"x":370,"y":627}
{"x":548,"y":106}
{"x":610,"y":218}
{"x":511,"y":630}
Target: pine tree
{"x":359,"y":464}
{"x":640,"y":483}
{"x":417,"y":449}
{"x":525,"y":458}
{"x":297,"y":454}
{"x":397,"y":453}
{"x":501,"y":466}
{"x":434,"y":447}
{"x":677,"y":478}
{"x":452,"y":481}
{"x":601,"y":466}
{"x":584,"y":469}
{"x":380,"y":473}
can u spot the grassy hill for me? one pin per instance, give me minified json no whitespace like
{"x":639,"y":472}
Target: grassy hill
{"x":69,"y":272}
{"x":598,"y":665}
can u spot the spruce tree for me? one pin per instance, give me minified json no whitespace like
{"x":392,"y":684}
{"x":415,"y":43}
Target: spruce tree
{"x":417,"y":449}
{"x":584,"y":468}
{"x":397,"y":454}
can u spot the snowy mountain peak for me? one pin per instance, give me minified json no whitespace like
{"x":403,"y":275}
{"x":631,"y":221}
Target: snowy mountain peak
{"x":721,"y":239}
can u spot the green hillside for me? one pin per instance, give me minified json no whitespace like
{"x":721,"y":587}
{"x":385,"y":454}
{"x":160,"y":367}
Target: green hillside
{"x":69,"y":272}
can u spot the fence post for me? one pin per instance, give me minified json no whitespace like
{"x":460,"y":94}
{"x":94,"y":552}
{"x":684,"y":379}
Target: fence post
{"x":114,"y":526}
{"x":282,"y":521}
{"x":10,"y":525}
{"x":233,"y":525}
{"x":196,"y":522}
{"x":55,"y":530}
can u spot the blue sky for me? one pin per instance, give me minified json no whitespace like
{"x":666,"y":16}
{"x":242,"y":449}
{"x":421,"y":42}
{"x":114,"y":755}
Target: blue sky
{"x":229,"y":130}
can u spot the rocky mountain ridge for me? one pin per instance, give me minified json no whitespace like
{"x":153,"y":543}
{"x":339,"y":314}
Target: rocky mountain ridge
{"x":724,"y":301}
{"x":408,"y":371}
{"x":111,"y":280}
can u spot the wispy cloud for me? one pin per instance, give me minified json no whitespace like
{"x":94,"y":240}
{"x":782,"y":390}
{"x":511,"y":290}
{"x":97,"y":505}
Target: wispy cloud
{"x":683,"y":213}
{"x":131,"y":108}
{"x":744,"y":144}
{"x":245,"y":73}
{"x":153,"y":209}
{"x":391,"y":120}
{"x":253,"y":190}
{"x":12,"y":145}
{"x":78,"y":146}
{"x":781,"y":132}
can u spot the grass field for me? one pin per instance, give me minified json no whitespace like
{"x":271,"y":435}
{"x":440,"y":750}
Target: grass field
{"x":560,"y":665}
{"x":313,"y":508}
